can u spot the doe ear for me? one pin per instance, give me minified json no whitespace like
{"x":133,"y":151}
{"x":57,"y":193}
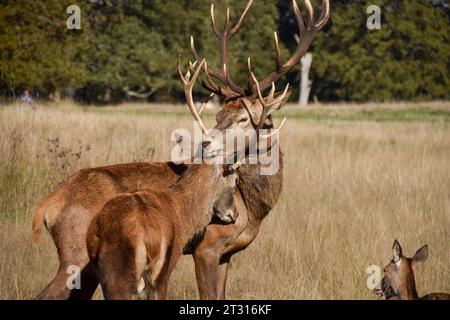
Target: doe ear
{"x":396,"y":250}
{"x":421,"y":254}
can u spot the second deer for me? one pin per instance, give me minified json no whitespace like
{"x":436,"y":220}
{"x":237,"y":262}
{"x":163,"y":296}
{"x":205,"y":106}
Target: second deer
{"x":399,"y":281}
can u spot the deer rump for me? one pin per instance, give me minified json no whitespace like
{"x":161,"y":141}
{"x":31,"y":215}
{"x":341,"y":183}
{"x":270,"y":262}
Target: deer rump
{"x":128,"y":237}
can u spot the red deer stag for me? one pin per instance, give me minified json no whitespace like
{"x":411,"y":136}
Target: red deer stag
{"x":141,"y":235}
{"x":399,"y":281}
{"x":68,"y":210}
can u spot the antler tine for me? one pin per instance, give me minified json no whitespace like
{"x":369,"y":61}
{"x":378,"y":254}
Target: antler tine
{"x":215,"y":88}
{"x":202,"y":108}
{"x":272,"y":92}
{"x":307,"y":32}
{"x":258,"y":88}
{"x":210,"y":85}
{"x":277,"y":52}
{"x":180,"y":72}
{"x":188,"y":83}
{"x":227,"y":22}
{"x":238,"y":25}
{"x":213,"y":22}
{"x":323,"y":19}
{"x":193,"y":49}
{"x":249,"y":71}
{"x":270,"y":103}
{"x":214,"y":73}
{"x":205,"y":103}
{"x":223,"y":74}
{"x":192,"y":65}
{"x":309,"y":13}
{"x":298,"y":16}
{"x":266,"y":136}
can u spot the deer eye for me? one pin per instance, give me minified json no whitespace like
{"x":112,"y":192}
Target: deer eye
{"x":245,"y":119}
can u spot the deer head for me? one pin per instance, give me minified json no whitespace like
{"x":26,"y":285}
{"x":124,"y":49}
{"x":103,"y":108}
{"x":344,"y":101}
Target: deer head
{"x":248,"y":108}
{"x":399,"y":274}
{"x":223,"y":202}
{"x":224,"y":207}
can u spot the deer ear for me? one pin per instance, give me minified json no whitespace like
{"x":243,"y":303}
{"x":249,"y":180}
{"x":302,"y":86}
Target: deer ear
{"x":396,"y":250}
{"x":421,"y":254}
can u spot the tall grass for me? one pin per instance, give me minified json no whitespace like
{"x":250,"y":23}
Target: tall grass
{"x":351,"y":187}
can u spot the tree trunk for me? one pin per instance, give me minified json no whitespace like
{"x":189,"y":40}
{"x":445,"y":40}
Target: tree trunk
{"x":305,"y":86}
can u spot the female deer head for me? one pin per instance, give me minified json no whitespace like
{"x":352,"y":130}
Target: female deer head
{"x":399,"y":273}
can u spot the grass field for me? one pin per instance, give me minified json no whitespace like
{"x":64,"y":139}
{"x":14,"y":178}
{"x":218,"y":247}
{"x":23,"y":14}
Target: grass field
{"x":356,"y":178}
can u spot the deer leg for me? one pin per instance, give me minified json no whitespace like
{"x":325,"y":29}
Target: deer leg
{"x":156,"y":286}
{"x":161,"y":281}
{"x":156,"y":280}
{"x":160,"y":291}
{"x":69,"y":236}
{"x":149,"y":288}
{"x":222,"y":276}
{"x":88,"y":285}
{"x":57,"y":288}
{"x":206,"y":269}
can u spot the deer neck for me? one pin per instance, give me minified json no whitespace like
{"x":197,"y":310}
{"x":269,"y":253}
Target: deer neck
{"x":408,"y":290}
{"x":197,"y":188}
{"x":260,"y":192}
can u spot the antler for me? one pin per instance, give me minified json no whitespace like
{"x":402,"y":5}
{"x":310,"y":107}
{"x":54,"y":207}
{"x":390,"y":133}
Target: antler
{"x":188,"y":83}
{"x":223,"y":75}
{"x":270,"y":103}
{"x":307,"y":32}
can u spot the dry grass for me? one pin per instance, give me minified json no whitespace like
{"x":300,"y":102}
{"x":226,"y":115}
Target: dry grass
{"x":351,"y":188}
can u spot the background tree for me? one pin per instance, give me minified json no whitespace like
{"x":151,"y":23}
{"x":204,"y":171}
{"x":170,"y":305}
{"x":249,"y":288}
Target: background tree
{"x":132,"y":46}
{"x":36,"y":48}
{"x":125,"y":52}
{"x":407,"y":59}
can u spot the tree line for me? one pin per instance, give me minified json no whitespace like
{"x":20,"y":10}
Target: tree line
{"x":128,"y":49}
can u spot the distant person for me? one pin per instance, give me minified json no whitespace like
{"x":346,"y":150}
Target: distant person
{"x":27,"y":99}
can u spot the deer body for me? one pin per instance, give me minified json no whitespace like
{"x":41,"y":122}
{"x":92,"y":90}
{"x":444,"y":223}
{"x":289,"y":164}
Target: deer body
{"x":69,"y":209}
{"x":143,"y":234}
{"x":211,"y":255}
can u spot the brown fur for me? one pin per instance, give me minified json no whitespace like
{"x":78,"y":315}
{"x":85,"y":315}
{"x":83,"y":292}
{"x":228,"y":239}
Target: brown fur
{"x":142,"y":234}
{"x":399,"y":280}
{"x":90,"y":189}
{"x":89,"y":185}
{"x":71,"y":207}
